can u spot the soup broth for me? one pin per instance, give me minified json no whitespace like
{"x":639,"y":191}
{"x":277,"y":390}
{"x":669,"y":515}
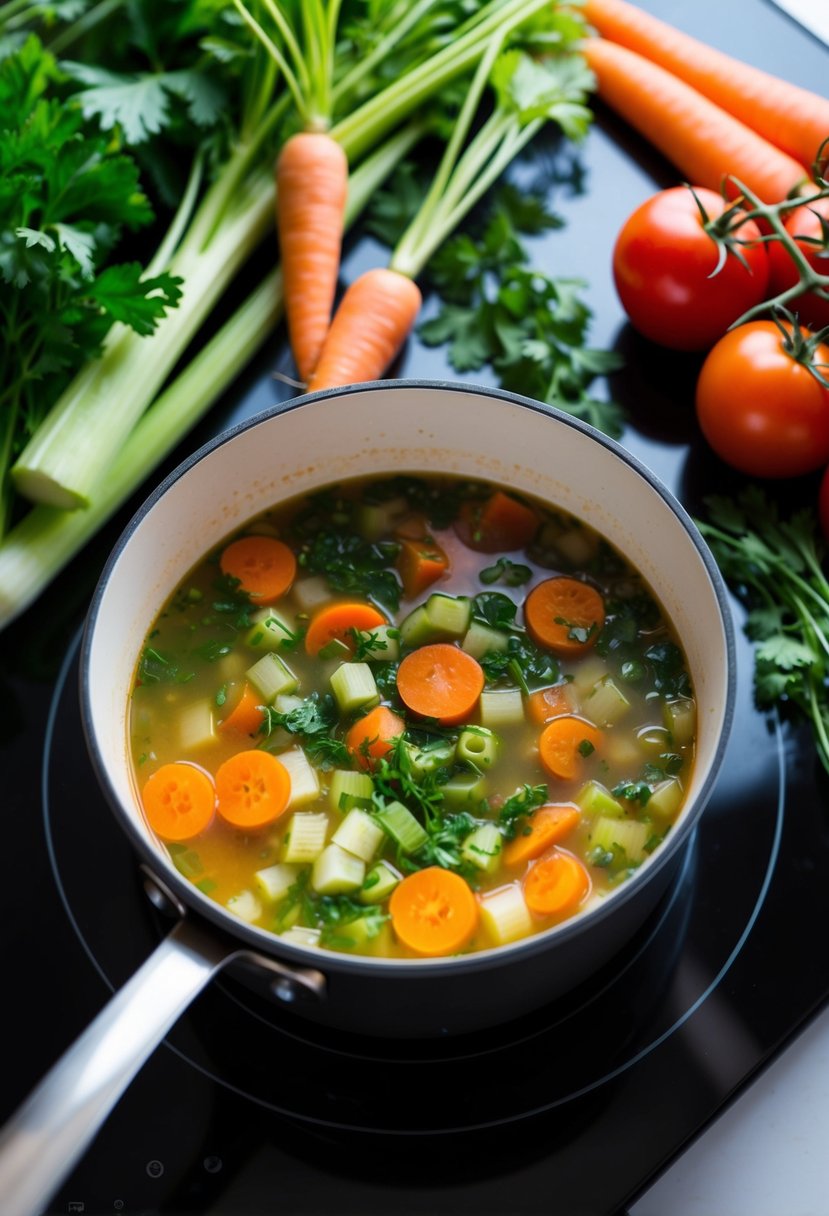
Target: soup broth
{"x":411,"y":717}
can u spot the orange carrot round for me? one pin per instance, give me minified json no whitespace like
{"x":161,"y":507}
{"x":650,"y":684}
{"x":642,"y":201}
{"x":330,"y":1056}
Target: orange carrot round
{"x":440,"y":681}
{"x":792,"y":118}
{"x":179,"y":800}
{"x":433,"y":911}
{"x":334,"y":623}
{"x":264,"y":566}
{"x":556,"y":885}
{"x":564,"y":743}
{"x":374,"y":319}
{"x":547,"y":703}
{"x":546,"y":827}
{"x":252,"y":788}
{"x":564,"y":614}
{"x":704,"y":142}
{"x":246,"y":716}
{"x":311,"y":190}
{"x":369,"y":739}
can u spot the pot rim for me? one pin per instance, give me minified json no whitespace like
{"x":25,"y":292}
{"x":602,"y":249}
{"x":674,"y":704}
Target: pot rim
{"x":329,"y":960}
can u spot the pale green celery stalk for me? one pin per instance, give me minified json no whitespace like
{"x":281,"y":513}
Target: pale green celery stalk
{"x":63,"y":462}
{"x":47,"y":538}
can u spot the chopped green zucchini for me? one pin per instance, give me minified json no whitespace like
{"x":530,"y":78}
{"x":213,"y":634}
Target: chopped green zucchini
{"x":336,"y":872}
{"x":353,"y":687}
{"x":483,"y":847}
{"x":385,"y":645}
{"x":270,"y":630}
{"x":379,"y":883}
{"x":271,"y":677}
{"x":398,"y":822}
{"x":481,"y":639}
{"x":449,"y":615}
{"x":595,"y":799}
{"x":349,"y":789}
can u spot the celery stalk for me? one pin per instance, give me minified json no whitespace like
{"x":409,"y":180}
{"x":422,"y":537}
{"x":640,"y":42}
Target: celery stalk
{"x":48,"y":537}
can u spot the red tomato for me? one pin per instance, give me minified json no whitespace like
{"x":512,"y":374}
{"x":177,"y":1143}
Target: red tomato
{"x":762,"y":411}
{"x":662,"y":262}
{"x":803,"y":222}
{"x":823,"y":504}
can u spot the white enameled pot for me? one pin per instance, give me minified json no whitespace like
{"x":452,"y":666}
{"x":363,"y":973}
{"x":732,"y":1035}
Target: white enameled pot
{"x":298,"y":447}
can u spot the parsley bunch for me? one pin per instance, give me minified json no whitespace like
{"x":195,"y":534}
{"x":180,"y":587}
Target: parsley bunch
{"x":775,"y":567}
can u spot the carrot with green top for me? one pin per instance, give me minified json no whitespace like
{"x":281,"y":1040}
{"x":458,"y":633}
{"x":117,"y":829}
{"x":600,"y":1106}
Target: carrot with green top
{"x":433,"y":912}
{"x":339,"y":622}
{"x":565,"y":743}
{"x":371,"y":737}
{"x":179,"y":800}
{"x":565,"y":615}
{"x":793,"y":119}
{"x":253,"y":789}
{"x":440,"y":681}
{"x":557,"y":885}
{"x":264,"y":566}
{"x":705,"y":143}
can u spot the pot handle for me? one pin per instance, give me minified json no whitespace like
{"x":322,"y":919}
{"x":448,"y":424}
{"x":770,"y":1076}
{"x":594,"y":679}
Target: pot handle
{"x":49,"y":1132}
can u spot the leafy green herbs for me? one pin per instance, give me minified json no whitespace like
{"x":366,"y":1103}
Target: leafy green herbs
{"x":511,"y":574}
{"x":521,"y":662}
{"x":312,"y":722}
{"x":522,"y":803}
{"x":774,"y":565}
{"x":354,"y":565}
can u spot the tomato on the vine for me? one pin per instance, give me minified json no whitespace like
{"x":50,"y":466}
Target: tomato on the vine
{"x":663,"y":266}
{"x":804,"y":223}
{"x":760,"y":408}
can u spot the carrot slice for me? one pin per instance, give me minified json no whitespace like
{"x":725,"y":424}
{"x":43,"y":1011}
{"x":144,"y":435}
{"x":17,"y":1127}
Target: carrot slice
{"x":556,"y":885}
{"x":546,"y":827}
{"x":433,"y":911}
{"x":253,"y":788}
{"x":335,"y":622}
{"x":370,"y":326}
{"x":563,"y":744}
{"x":499,"y":523}
{"x":565,"y":615}
{"x":547,"y":703}
{"x":421,"y":563}
{"x":264,"y":566}
{"x":247,"y":714}
{"x":369,"y":739}
{"x":440,"y":681}
{"x":311,"y":190}
{"x":179,"y":800}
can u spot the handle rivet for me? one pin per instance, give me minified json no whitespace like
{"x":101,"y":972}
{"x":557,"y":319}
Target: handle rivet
{"x":284,"y":990}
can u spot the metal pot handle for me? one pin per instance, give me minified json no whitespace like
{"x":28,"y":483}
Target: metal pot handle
{"x":46,"y":1136}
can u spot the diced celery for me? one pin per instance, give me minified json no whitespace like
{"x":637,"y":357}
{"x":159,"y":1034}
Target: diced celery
{"x":429,"y":759}
{"x":481,"y":639}
{"x":195,"y":726}
{"x":245,"y":905}
{"x":627,"y":834}
{"x":503,"y":707}
{"x":335,"y":649}
{"x":505,"y":916}
{"x":680,"y":717}
{"x":666,"y":798}
{"x":359,"y":834}
{"x":379,"y":883}
{"x":353,"y":687}
{"x":305,"y":786}
{"x":483,"y":848}
{"x":274,"y":881}
{"x":298,"y":935}
{"x":398,"y":822}
{"x":377,"y":519}
{"x":606,"y":704}
{"x":587,"y":673}
{"x":270,"y":629}
{"x":416,"y":628}
{"x":336,"y":872}
{"x":449,"y":615}
{"x":348,"y":789}
{"x":271,"y":677}
{"x":621,"y":749}
{"x":595,"y":799}
{"x":310,"y":593}
{"x":464,"y":791}
{"x":385,"y":645}
{"x":478,"y":746}
{"x":305,"y":838}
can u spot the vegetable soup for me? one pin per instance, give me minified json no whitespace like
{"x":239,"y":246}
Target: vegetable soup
{"x":411,"y":717}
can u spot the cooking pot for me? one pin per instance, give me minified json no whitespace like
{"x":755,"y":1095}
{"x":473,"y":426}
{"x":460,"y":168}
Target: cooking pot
{"x":298,"y":447}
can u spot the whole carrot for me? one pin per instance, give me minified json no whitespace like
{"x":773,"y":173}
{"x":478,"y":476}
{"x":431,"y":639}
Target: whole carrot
{"x":793,"y":119}
{"x":371,"y":324}
{"x":704,"y":142}
{"x":311,"y":189}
